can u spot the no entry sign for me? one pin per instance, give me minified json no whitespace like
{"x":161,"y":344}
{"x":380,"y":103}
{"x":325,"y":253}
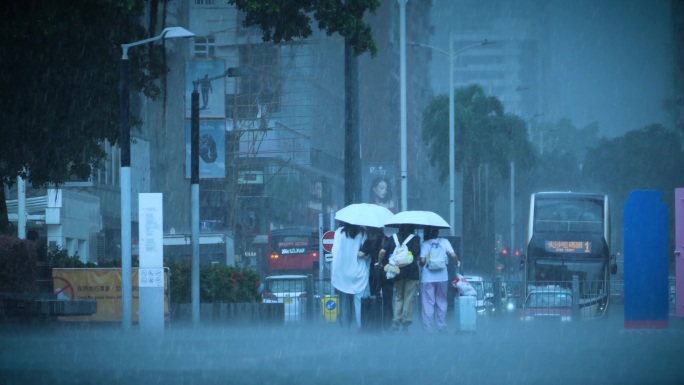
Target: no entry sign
{"x":328,"y":238}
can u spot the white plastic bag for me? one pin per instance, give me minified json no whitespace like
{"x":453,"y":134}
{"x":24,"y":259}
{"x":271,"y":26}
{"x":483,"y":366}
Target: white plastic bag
{"x":463,"y":287}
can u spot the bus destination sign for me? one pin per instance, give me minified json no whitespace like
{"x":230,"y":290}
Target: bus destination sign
{"x":292,"y":247}
{"x":294,"y":250}
{"x":568,"y":246}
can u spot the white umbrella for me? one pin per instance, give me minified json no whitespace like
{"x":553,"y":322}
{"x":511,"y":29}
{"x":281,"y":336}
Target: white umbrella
{"x":364,"y":214}
{"x":418,"y":218}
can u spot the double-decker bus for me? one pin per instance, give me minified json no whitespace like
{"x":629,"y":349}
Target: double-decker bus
{"x":569,"y":236}
{"x":292,"y":251}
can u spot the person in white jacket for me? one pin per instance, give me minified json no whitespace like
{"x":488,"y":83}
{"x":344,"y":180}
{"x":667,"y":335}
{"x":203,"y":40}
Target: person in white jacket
{"x":349,"y":272}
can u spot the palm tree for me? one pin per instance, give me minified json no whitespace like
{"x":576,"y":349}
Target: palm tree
{"x":486,"y":139}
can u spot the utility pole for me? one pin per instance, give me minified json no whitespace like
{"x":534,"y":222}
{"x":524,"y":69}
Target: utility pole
{"x":402,"y":77}
{"x":352,"y":158}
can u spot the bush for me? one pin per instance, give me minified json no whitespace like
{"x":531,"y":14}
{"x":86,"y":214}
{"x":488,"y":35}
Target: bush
{"x":17,"y":265}
{"x":218,"y":283}
{"x":60,"y":258}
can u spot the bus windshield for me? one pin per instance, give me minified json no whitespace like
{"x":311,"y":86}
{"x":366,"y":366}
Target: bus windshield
{"x":578,"y":215}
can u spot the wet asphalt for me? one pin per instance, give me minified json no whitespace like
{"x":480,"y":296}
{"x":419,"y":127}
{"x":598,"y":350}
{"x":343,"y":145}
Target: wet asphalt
{"x":502,"y":350}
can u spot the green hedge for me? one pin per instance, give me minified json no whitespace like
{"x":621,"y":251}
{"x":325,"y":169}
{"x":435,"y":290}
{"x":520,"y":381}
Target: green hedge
{"x":59,"y":257}
{"x":218,"y":283}
{"x":17,"y":265}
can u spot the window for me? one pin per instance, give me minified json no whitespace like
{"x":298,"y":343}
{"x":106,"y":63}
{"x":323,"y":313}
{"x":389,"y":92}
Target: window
{"x":555,"y":215}
{"x":205,"y":47}
{"x":108,"y":171}
{"x":287,"y":286}
{"x":477,"y":285}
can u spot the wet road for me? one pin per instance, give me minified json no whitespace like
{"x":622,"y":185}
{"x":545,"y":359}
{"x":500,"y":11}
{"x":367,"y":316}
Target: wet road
{"x":501,"y":351}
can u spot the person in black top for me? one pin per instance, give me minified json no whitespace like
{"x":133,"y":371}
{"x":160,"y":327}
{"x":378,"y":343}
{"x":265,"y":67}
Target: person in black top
{"x":406,"y":282}
{"x":379,"y":285}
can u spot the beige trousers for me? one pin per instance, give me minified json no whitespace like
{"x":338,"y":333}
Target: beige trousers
{"x":404,"y":300}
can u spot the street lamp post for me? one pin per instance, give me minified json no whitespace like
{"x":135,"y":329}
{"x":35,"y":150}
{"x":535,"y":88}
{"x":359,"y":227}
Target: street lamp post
{"x":195,"y":190}
{"x":541,"y":138}
{"x":452,"y":134}
{"x":452,"y":141}
{"x":125,"y":174}
{"x":194,"y":202}
{"x":402,"y":77}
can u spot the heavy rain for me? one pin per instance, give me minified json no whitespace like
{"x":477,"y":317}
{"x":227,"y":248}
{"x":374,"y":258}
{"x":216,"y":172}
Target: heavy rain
{"x":385,"y":192}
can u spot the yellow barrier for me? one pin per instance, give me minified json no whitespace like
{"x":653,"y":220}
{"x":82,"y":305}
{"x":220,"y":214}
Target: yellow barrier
{"x":104,"y":286}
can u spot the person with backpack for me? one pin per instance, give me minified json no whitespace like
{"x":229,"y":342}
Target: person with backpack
{"x":349,"y":272}
{"x":405,"y":276}
{"x":434,"y":279}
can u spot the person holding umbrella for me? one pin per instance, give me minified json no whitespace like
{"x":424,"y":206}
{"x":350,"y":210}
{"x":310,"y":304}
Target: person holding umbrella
{"x":349,"y":271}
{"x":434,"y":278}
{"x":373,"y":218}
{"x":406,"y":282}
{"x":379,"y":285}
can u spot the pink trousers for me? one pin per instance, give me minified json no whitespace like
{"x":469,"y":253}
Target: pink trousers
{"x":434,"y":304}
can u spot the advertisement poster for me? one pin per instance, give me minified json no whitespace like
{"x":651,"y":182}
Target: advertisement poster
{"x":379,"y":183}
{"x":103,"y":286}
{"x":209,"y":76}
{"x":212,"y":148}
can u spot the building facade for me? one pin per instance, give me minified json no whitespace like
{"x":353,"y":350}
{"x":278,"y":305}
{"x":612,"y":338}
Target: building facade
{"x":272,"y":126}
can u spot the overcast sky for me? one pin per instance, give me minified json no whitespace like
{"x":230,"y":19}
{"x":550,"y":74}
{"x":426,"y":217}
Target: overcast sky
{"x":611,"y":59}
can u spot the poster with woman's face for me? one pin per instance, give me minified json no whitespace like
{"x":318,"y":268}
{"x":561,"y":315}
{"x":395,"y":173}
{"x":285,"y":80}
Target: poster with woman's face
{"x":378,"y":180}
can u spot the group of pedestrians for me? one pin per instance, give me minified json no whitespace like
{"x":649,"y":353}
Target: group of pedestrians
{"x":361,"y":258}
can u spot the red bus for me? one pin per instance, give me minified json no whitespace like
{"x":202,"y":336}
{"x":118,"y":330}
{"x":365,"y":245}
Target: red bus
{"x":293,"y":251}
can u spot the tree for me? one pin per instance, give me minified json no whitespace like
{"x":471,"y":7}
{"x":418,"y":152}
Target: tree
{"x":649,"y":158}
{"x":284,"y":21}
{"x":485,"y":138}
{"x":59,"y":66}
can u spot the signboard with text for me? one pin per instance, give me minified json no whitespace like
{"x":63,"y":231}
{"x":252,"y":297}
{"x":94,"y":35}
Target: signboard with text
{"x":567,"y":246}
{"x":151,"y":230}
{"x":103,"y":286}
